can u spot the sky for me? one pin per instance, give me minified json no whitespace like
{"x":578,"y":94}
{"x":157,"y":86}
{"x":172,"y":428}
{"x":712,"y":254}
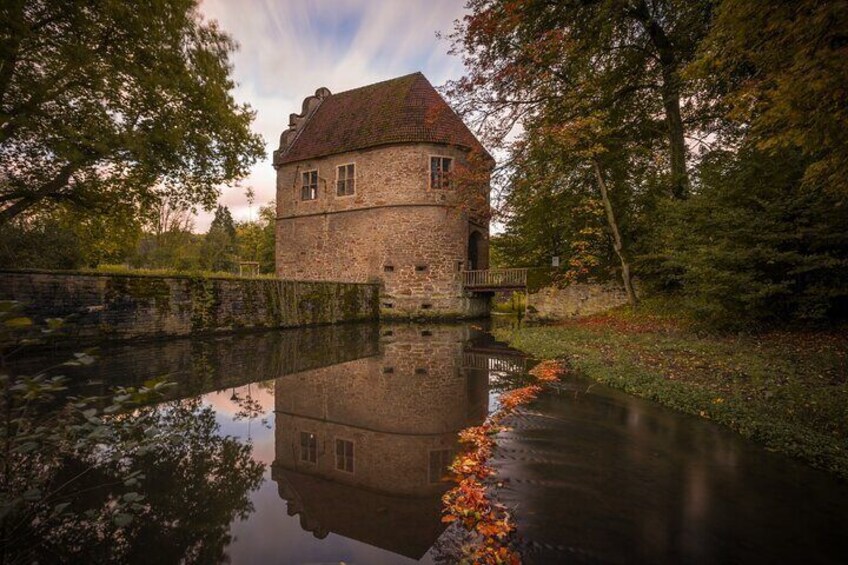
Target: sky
{"x":290,"y":48}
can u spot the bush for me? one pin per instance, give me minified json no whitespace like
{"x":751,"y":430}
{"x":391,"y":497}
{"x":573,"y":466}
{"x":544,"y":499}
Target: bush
{"x":754,"y":245}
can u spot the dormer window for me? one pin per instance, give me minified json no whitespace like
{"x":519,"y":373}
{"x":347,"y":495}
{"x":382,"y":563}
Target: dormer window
{"x":440,"y":172}
{"x":309,"y":185}
{"x":345,"y":180}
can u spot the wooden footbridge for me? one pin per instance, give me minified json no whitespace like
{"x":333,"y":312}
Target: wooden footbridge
{"x":495,"y":359}
{"x":495,"y":280}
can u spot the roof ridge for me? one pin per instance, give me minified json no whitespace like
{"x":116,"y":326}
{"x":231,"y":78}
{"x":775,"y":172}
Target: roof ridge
{"x":373,"y":84}
{"x":405,"y":109}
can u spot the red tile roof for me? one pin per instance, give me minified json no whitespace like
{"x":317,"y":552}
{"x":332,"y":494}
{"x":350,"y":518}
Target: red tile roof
{"x":406,"y":109}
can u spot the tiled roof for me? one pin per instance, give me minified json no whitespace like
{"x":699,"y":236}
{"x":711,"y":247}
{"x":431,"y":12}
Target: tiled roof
{"x":406,"y":109}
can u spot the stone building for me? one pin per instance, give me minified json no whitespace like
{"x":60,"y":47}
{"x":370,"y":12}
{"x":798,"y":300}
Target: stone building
{"x":385,"y":183}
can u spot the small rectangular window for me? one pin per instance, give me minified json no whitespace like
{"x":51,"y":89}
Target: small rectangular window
{"x":388,"y":268}
{"x":420,"y":268}
{"x":308,"y":447}
{"x":344,"y":455}
{"x":345,"y":180}
{"x":309,"y":185}
{"x":440,"y":172}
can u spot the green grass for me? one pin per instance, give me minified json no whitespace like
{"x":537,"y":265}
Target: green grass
{"x":786,"y":390}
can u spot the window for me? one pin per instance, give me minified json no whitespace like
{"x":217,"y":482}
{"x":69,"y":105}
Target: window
{"x":308,"y":447}
{"x":344,"y":455}
{"x":420,"y":268}
{"x":439,"y":461}
{"x":388,"y":268}
{"x":345,"y":180}
{"x":309,"y":185}
{"x":440,"y":171}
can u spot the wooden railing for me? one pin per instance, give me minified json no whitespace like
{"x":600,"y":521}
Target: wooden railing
{"x":489,"y":362}
{"x":495,"y":279}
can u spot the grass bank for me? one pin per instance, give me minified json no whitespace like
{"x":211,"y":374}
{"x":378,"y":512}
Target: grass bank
{"x":787,"y":390}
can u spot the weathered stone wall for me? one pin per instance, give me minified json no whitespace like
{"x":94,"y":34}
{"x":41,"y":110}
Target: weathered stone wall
{"x":551,"y":303}
{"x":394,"y":230}
{"x":126,"y":306}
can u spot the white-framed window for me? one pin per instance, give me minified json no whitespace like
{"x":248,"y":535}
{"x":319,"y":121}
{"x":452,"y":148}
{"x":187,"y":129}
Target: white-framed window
{"x":344,"y":455}
{"x":309,"y":185}
{"x":440,"y":172}
{"x":345,"y":179}
{"x":308,"y":447}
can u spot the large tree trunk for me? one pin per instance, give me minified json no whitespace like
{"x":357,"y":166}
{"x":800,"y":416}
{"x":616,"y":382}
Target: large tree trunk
{"x":670,"y":90}
{"x":676,"y":140}
{"x":616,"y":236}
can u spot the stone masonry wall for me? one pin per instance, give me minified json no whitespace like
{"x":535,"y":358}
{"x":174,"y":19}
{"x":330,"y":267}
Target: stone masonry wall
{"x":551,"y":303}
{"x":126,"y":306}
{"x":394,"y":230}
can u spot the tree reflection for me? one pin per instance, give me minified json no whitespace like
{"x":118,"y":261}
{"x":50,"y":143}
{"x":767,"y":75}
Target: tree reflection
{"x":109,"y":485}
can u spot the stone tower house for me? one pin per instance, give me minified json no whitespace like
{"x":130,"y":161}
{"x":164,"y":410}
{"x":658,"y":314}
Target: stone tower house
{"x":385,"y":183}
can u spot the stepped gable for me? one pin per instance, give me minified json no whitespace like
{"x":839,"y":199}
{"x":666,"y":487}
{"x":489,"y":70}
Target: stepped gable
{"x":406,"y":109}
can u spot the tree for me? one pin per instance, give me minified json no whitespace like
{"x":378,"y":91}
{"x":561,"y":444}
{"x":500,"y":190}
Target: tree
{"x":257,"y":239}
{"x":777,"y":71}
{"x":104,"y":479}
{"x":521,"y":57}
{"x":219,"y":246}
{"x":168,"y":241}
{"x":103,"y":102}
{"x":754,"y":246}
{"x":58,"y":237}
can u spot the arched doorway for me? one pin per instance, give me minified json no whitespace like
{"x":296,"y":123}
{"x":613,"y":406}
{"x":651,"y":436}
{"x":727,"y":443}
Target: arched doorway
{"x":476,"y":252}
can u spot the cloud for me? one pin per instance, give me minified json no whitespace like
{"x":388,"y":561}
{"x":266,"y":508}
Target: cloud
{"x":289,"y":48}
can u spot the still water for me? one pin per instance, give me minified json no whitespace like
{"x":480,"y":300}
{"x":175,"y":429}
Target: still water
{"x":355,"y":424}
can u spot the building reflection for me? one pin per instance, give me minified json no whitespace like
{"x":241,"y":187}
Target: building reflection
{"x":362,"y":446}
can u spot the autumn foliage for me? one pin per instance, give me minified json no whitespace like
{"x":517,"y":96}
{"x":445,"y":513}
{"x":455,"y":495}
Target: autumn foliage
{"x":470,"y":502}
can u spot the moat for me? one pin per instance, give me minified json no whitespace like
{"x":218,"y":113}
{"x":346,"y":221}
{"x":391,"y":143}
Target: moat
{"x":353,"y":426}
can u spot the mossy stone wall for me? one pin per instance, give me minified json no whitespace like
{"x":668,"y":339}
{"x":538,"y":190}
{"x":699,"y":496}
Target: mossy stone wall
{"x":111,"y":306}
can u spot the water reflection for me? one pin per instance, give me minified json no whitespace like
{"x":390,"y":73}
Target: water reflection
{"x":355,"y":425}
{"x":602,"y":476}
{"x":361,"y":447}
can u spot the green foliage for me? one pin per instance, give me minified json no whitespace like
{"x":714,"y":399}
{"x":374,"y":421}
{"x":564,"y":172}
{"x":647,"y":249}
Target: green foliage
{"x":754,"y":244}
{"x":104,"y":102}
{"x":218,"y":251}
{"x":256,"y":240}
{"x":745,"y":220}
{"x":777,"y":71}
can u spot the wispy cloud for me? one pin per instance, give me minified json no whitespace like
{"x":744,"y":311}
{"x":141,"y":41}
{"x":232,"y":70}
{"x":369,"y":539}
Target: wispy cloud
{"x":289,"y":48}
